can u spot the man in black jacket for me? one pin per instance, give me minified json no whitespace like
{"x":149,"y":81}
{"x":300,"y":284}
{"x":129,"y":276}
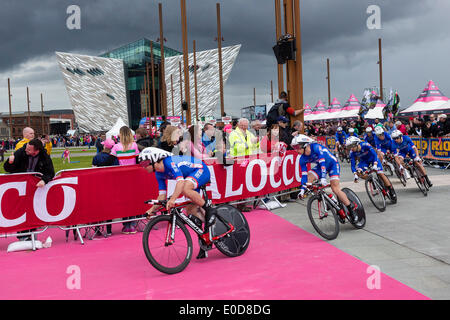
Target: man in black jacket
{"x":32,"y":157}
{"x":442,"y":127}
{"x":143,"y":140}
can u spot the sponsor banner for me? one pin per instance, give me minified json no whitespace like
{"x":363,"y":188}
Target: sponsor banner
{"x":322,"y":141}
{"x":97,"y":194}
{"x":437,"y":149}
{"x":331,"y":143}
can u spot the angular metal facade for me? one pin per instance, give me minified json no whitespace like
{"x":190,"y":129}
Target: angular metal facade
{"x":208,"y":90}
{"x":96,"y":88}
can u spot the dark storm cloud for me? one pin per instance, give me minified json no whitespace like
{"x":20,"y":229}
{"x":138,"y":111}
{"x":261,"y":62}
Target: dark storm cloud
{"x":34,"y":28}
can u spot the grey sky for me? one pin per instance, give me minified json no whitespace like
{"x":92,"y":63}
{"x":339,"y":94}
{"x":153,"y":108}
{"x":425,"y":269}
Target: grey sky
{"x":415,"y":44}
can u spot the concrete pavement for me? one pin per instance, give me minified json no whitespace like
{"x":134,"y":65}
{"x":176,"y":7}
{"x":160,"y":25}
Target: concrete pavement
{"x":410,"y":241}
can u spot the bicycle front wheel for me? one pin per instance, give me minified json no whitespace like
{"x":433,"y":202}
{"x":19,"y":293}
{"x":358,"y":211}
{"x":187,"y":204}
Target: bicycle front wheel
{"x":359,"y":210}
{"x":237,"y":242}
{"x":167,"y":256}
{"x":420,"y":180}
{"x":375,"y":193}
{"x":323,"y":219}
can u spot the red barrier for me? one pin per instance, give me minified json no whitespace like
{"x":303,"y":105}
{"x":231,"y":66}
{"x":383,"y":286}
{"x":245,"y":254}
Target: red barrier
{"x":98,"y":194}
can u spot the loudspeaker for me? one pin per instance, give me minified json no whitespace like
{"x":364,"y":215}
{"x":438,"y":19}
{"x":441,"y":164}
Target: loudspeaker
{"x":284,"y":50}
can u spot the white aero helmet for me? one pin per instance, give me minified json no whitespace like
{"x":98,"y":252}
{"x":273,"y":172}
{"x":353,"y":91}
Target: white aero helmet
{"x":153,"y":155}
{"x":369,"y":129}
{"x":396,"y":134}
{"x":379,"y":131}
{"x":339,"y":129}
{"x":351,"y":130}
{"x":352,"y":141}
{"x":301,"y":140}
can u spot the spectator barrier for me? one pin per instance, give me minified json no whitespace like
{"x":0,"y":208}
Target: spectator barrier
{"x":87,"y":196}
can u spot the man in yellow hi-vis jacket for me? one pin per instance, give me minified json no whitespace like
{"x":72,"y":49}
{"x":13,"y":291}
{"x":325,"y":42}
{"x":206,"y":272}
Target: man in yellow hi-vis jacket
{"x":242,"y":141}
{"x":28,"y":135}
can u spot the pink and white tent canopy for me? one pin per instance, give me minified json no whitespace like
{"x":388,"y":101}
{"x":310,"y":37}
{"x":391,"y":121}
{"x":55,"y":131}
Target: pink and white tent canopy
{"x":318,"y":111}
{"x":307,"y":111}
{"x":351,"y":108}
{"x":376,"y":112}
{"x":333,"y":111}
{"x":430,"y":99}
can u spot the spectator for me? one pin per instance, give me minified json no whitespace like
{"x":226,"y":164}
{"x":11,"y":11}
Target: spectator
{"x":285,"y":134}
{"x":242,"y":141}
{"x":296,"y":128}
{"x":2,"y":152}
{"x":281,"y":108}
{"x":31,"y":157}
{"x":66,"y":155}
{"x":193,"y":145}
{"x":126,"y":151}
{"x":99,"y":143}
{"x":143,"y":140}
{"x":105,"y":159}
{"x":417,"y":127}
{"x":271,"y":142}
{"x":208,"y":138}
{"x":28,"y":135}
{"x":391,"y":127}
{"x":400,"y":126}
{"x":427,"y":130}
{"x":170,"y":138}
{"x":442,"y":127}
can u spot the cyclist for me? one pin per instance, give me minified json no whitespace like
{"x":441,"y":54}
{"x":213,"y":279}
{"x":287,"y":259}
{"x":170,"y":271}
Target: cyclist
{"x":312,"y":152}
{"x":369,"y":137}
{"x":341,"y":136}
{"x":190,"y":174}
{"x":405,"y":147}
{"x":367,"y":156}
{"x":352,"y":132}
{"x":384,"y":144}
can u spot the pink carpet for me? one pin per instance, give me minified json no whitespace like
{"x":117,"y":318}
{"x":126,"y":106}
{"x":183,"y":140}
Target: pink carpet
{"x":283,"y":262}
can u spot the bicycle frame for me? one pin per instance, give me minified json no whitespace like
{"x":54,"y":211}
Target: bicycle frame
{"x":177,"y":212}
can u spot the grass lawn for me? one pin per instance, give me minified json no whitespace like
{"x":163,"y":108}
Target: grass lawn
{"x":84,"y":162}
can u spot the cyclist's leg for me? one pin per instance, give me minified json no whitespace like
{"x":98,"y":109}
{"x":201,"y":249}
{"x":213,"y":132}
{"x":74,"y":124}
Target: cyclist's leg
{"x":334,"y":171}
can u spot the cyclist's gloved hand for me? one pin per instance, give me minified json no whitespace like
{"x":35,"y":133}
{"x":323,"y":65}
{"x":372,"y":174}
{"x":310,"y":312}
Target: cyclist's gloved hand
{"x":417,"y":159}
{"x":356,"y":177}
{"x":375,"y":166}
{"x":301,"y":194}
{"x":323,"y":182}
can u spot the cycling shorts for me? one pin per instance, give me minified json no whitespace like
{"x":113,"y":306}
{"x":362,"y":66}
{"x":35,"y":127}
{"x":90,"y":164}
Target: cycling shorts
{"x":409,"y":152}
{"x":199,"y":177}
{"x":364,"y":165}
{"x":333,"y":168}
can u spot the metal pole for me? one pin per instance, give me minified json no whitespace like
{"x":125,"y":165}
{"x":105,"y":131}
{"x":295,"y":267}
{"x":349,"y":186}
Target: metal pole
{"x":42,"y":117}
{"x":28,"y":103}
{"x":278,"y":35}
{"x":380,"y":62}
{"x":271,"y":90}
{"x":291,"y":68}
{"x":298,"y":104}
{"x":328,"y":78}
{"x":219,"y":46}
{"x":162,"y":65}
{"x":186,"y":62}
{"x":10,"y":110}
{"x":254,"y":96}
{"x":195,"y":82}
{"x":181,"y":93}
{"x":153,"y":83}
{"x":171,"y":89}
{"x":147,"y":97}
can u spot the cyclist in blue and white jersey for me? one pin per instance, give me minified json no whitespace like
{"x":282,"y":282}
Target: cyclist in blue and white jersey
{"x":369,"y":137}
{"x":312,"y":152}
{"x":367,"y":156}
{"x":406,"y":147}
{"x":190,"y":174}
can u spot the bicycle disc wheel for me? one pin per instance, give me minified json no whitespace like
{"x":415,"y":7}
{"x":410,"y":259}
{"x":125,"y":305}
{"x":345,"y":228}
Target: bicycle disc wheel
{"x":167,"y":258}
{"x":419,"y":180}
{"x":359,"y":211}
{"x":324,"y":222}
{"x":375,"y":194}
{"x":237,"y":242}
